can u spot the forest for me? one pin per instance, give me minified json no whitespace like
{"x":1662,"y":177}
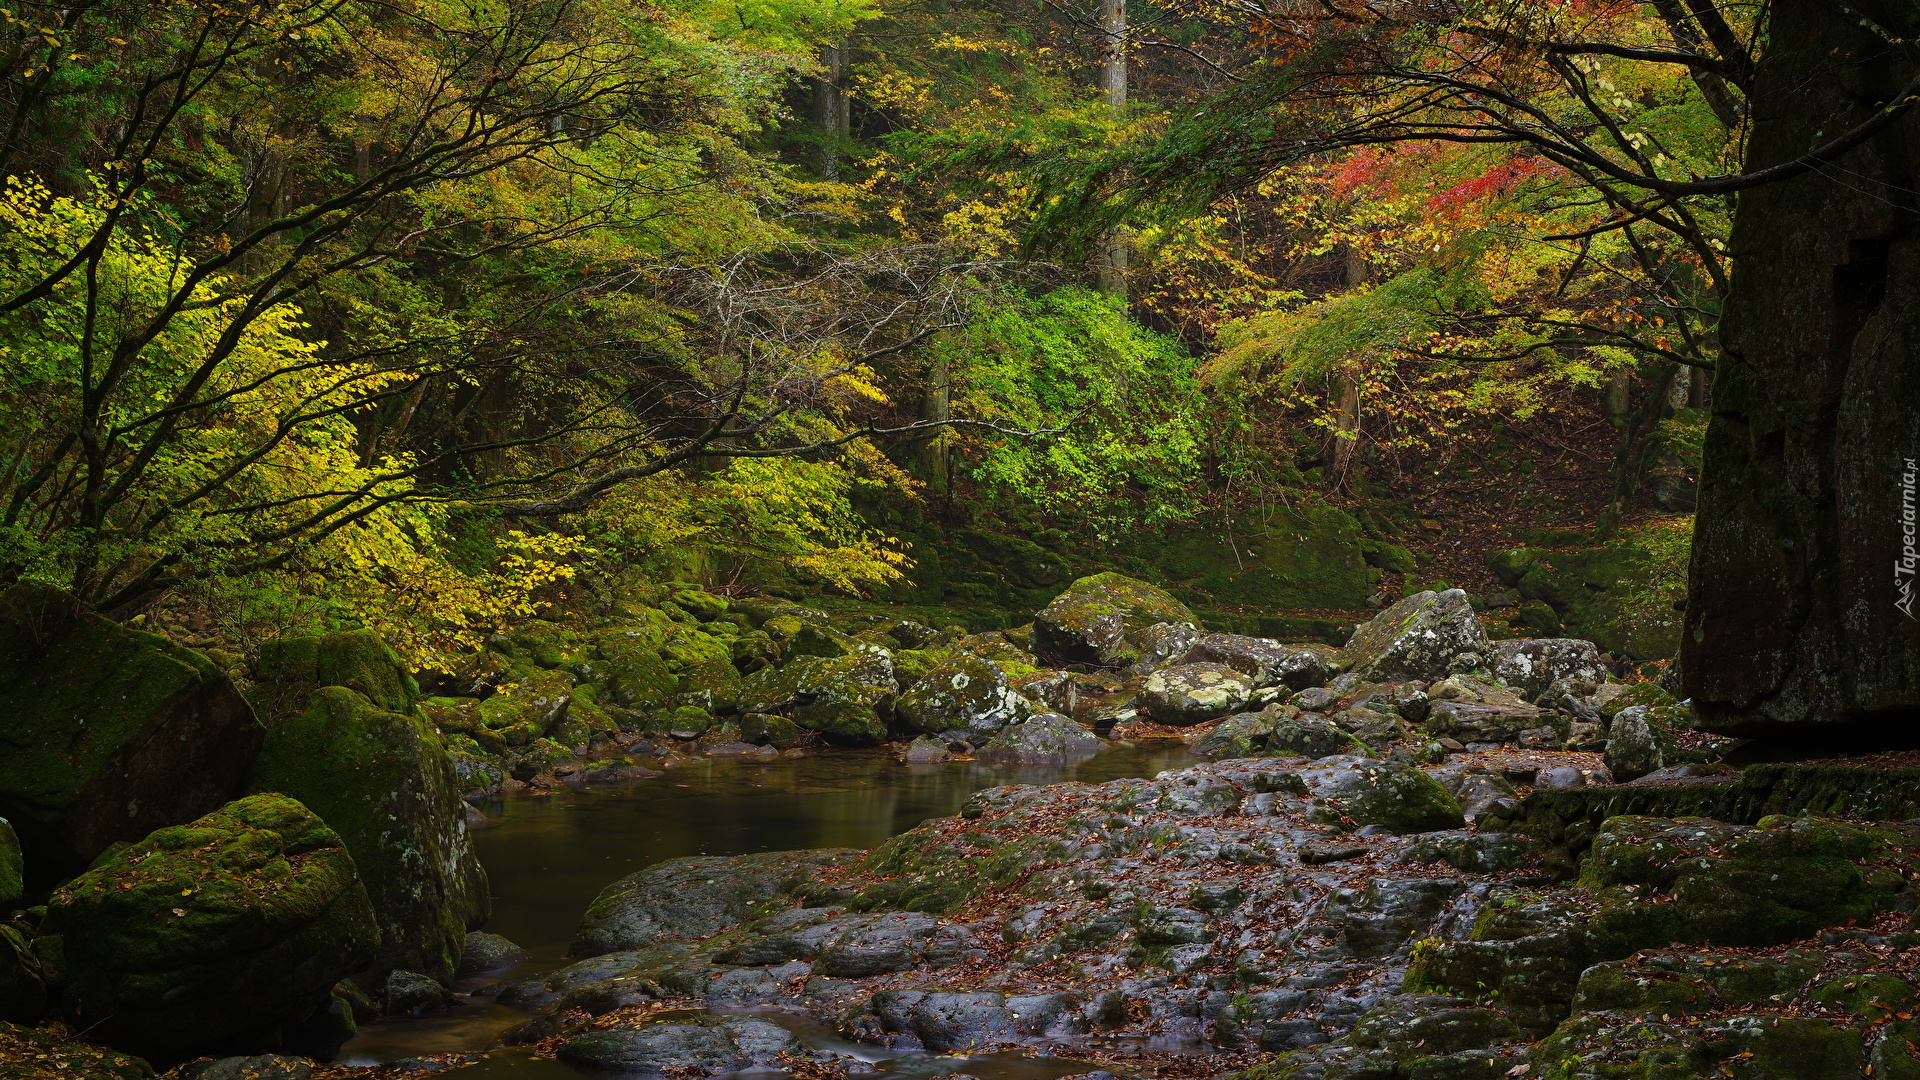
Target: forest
{"x":1315,"y":539}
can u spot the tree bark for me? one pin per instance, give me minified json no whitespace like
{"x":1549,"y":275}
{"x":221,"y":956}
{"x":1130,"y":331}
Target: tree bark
{"x":832,"y":113}
{"x":1114,"y":260}
{"x":1797,"y":621}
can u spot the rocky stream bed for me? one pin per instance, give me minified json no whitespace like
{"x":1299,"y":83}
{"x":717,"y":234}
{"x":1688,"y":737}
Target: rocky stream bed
{"x":1426,"y":855}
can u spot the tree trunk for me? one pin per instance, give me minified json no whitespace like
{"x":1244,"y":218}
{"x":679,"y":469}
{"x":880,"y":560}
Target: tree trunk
{"x":1343,"y":446}
{"x":1800,"y":614}
{"x":832,"y":113}
{"x":1114,"y":261}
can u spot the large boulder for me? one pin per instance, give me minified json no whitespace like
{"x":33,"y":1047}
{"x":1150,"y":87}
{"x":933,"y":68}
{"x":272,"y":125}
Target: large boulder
{"x":1531,"y":665}
{"x":1265,"y":661}
{"x":1091,"y":621}
{"x":110,"y":733}
{"x":356,"y":659}
{"x":1427,"y":635}
{"x":968,"y":695}
{"x":384,"y":781}
{"x":218,"y":931}
{"x":685,"y":899}
{"x":695,"y":1046}
{"x":1194,"y":693}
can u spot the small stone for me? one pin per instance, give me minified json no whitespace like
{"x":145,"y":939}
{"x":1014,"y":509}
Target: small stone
{"x":488,"y":952}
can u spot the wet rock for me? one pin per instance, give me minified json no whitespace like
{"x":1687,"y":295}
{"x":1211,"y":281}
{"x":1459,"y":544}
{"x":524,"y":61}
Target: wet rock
{"x":488,"y":952}
{"x":225,"y":927}
{"x":1637,"y":744}
{"x":1244,"y":735}
{"x":967,"y":695}
{"x":1532,"y":665}
{"x":1194,"y":693}
{"x":701,"y":1046}
{"x":609,"y":981}
{"x":1265,"y":661}
{"x":1046,"y":737}
{"x":1357,"y":791}
{"x":683,"y":899}
{"x":925,"y":751}
{"x":1089,"y":623}
{"x":262,"y":1067}
{"x":1377,"y":731}
{"x":385,"y":783}
{"x":1426,"y":636}
{"x":949,"y":1021}
{"x":1472,"y":852}
{"x":110,"y":732}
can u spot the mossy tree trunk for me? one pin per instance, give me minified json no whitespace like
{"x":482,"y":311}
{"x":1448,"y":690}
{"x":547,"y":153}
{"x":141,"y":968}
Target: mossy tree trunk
{"x":1795,"y":615}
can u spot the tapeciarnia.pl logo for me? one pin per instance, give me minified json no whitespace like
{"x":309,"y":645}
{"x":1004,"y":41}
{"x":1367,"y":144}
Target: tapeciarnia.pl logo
{"x":1904,"y":566}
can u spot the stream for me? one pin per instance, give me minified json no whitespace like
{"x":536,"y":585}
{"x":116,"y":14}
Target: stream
{"x":548,"y":856}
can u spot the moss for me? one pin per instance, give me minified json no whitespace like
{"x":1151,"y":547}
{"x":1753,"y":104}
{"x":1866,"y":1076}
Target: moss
{"x":763,"y":729}
{"x":110,"y":733}
{"x":31,"y":1055}
{"x":703,"y":605}
{"x":357,"y":659}
{"x":713,"y":685}
{"x":1090,"y":621}
{"x":237,"y":921}
{"x":386,"y":784}
{"x":1876,"y":996}
{"x":633,"y":671}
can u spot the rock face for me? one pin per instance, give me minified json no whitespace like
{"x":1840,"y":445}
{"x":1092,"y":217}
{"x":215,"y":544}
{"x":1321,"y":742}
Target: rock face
{"x":1194,"y":693}
{"x":219,"y":930}
{"x":110,"y":733}
{"x":683,"y":899}
{"x":969,"y":697}
{"x":1425,"y":636}
{"x":1090,"y":622}
{"x":1046,"y":737}
{"x":385,"y":783}
{"x":1799,"y":611}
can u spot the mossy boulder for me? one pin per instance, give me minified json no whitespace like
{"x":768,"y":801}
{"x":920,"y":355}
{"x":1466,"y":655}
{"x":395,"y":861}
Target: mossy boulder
{"x":1428,"y":635}
{"x":387,"y":785}
{"x":524,"y":710}
{"x":110,"y":733}
{"x":847,"y":698}
{"x":1186,"y":694}
{"x":691,"y":898}
{"x":1638,"y":743}
{"x":357,"y":659}
{"x":968,"y":695}
{"x":1042,"y":738}
{"x":218,"y":931}
{"x":1090,"y":621}
{"x":1753,"y":1047}
{"x":631,"y":668}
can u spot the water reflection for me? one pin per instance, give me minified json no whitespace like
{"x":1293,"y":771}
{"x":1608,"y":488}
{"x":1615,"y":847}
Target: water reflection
{"x":549,"y":856}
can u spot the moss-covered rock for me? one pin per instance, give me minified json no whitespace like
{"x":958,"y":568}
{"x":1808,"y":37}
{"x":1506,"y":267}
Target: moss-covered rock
{"x":110,"y":733}
{"x":967,"y":695}
{"x":1355,"y":792}
{"x":387,"y":785}
{"x":219,"y":930}
{"x":26,"y":1054}
{"x":1637,"y":744}
{"x":631,"y":668}
{"x":524,"y":710}
{"x":357,"y":659}
{"x":847,"y":697}
{"x":691,"y":898}
{"x":1090,"y":621}
{"x":1187,"y":694}
{"x":1310,"y":557}
{"x":1587,"y":592}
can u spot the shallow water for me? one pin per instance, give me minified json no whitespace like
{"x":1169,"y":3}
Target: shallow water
{"x":548,"y":856}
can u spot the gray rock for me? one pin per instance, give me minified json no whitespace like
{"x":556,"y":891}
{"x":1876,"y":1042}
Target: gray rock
{"x":943,"y":1020}
{"x":1194,"y":693}
{"x":1425,"y":636}
{"x":488,"y":952}
{"x":925,"y":751}
{"x":683,"y":899}
{"x":1637,"y":744}
{"x":705,"y":1046}
{"x":1265,"y":661}
{"x":1314,"y":699}
{"x":968,"y":694}
{"x":1239,"y":736}
{"x":1046,"y":737}
{"x":1163,"y":643}
{"x":1560,"y":776}
{"x":262,"y":1067}
{"x":1532,"y":665}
